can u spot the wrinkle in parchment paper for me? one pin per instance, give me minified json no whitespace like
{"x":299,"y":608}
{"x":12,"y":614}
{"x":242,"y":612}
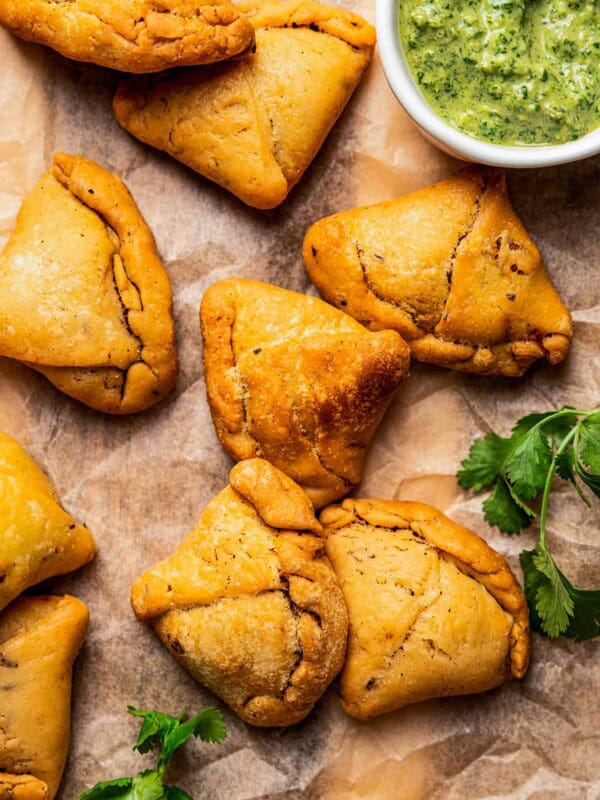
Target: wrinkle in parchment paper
{"x":141,"y":482}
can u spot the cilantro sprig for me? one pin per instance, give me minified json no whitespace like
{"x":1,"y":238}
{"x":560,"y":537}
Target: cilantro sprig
{"x":166,"y":734}
{"x":519,"y":469}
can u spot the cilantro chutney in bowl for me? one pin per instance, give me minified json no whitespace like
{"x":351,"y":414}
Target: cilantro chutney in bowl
{"x":512,"y":83}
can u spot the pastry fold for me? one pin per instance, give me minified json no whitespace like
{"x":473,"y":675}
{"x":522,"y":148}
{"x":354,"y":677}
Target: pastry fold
{"x":132,"y":35}
{"x":84,"y":297}
{"x":253,"y":126}
{"x":40,"y":638}
{"x":452,"y":269}
{"x":249,"y":603}
{"x":38,"y":539}
{"x":434,"y":611}
{"x":293,"y":380}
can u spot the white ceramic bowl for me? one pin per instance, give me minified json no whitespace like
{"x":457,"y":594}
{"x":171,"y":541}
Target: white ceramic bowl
{"x":448,"y":138}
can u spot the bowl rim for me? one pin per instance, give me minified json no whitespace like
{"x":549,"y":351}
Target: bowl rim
{"x":409,"y":96}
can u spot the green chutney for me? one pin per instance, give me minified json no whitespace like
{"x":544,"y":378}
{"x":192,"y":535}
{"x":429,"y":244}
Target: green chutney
{"x":523,"y":72}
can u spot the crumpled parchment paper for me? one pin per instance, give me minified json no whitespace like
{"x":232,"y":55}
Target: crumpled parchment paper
{"x":141,"y":482}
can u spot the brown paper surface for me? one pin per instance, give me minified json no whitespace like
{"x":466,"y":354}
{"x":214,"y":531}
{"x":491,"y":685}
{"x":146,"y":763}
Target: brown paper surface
{"x":140,"y":483}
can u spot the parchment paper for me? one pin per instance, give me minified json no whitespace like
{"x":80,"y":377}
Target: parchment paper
{"x":141,"y":482}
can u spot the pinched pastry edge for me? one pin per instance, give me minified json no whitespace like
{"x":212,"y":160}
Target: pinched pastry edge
{"x":168,"y":34}
{"x":308,"y":583}
{"x":372,"y":308}
{"x":339,"y":22}
{"x":144,"y":289}
{"x":468,"y":551}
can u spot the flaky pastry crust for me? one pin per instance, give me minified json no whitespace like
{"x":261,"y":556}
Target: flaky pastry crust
{"x":452,"y":269}
{"x":292,"y":380}
{"x":132,"y":35}
{"x":434,"y":611}
{"x":249,"y":603}
{"x":245,"y":124}
{"x":38,"y":539}
{"x":40,"y":638}
{"x":84,"y":297}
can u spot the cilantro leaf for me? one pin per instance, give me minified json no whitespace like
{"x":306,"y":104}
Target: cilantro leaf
{"x":208,"y":725}
{"x":166,"y":733}
{"x":557,"y":607}
{"x":566,"y":468}
{"x":121,"y":787}
{"x":525,"y":424}
{"x":175,"y":793}
{"x":485,"y":462}
{"x":502,"y":510}
{"x":589,"y":478}
{"x":590,"y":442}
{"x":528,"y":465}
{"x":148,"y":785}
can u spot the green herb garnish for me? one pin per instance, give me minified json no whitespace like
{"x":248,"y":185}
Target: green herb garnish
{"x":519,"y":469}
{"x":166,"y":734}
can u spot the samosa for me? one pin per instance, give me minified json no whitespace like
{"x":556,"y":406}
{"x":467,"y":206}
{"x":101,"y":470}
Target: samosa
{"x":293,"y":380}
{"x":450,"y":267}
{"x":132,"y":35}
{"x":38,"y":539}
{"x":248,"y":603}
{"x":84,"y":297}
{"x":40,"y":638}
{"x":434,"y":611}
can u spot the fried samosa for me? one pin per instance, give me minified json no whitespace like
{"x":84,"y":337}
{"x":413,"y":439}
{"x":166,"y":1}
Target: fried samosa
{"x":132,"y":35}
{"x":40,"y":638}
{"x":452,"y":269}
{"x":434,"y":611}
{"x":84,"y":297}
{"x":249,"y":603}
{"x":38,"y":539}
{"x":253,"y":126}
{"x":293,"y":380}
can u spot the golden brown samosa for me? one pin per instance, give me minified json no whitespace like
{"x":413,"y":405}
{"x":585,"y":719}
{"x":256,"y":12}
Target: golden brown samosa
{"x":40,"y":638}
{"x":38,"y":539}
{"x":84,"y":297}
{"x":253,"y":126}
{"x":132,"y":35}
{"x":433,"y":610}
{"x":249,"y":603}
{"x":450,"y":267}
{"x":293,"y":380}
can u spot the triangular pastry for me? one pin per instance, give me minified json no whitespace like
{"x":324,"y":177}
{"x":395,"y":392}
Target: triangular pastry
{"x":434,"y":611}
{"x":249,"y":603}
{"x":253,"y":126}
{"x":40,"y":638}
{"x":452,"y":269}
{"x":84,"y":297}
{"x":38,"y":539}
{"x":293,"y":380}
{"x":132,"y":35}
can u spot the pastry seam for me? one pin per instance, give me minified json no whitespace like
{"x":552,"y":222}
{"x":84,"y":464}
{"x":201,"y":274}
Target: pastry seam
{"x":449,"y":265}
